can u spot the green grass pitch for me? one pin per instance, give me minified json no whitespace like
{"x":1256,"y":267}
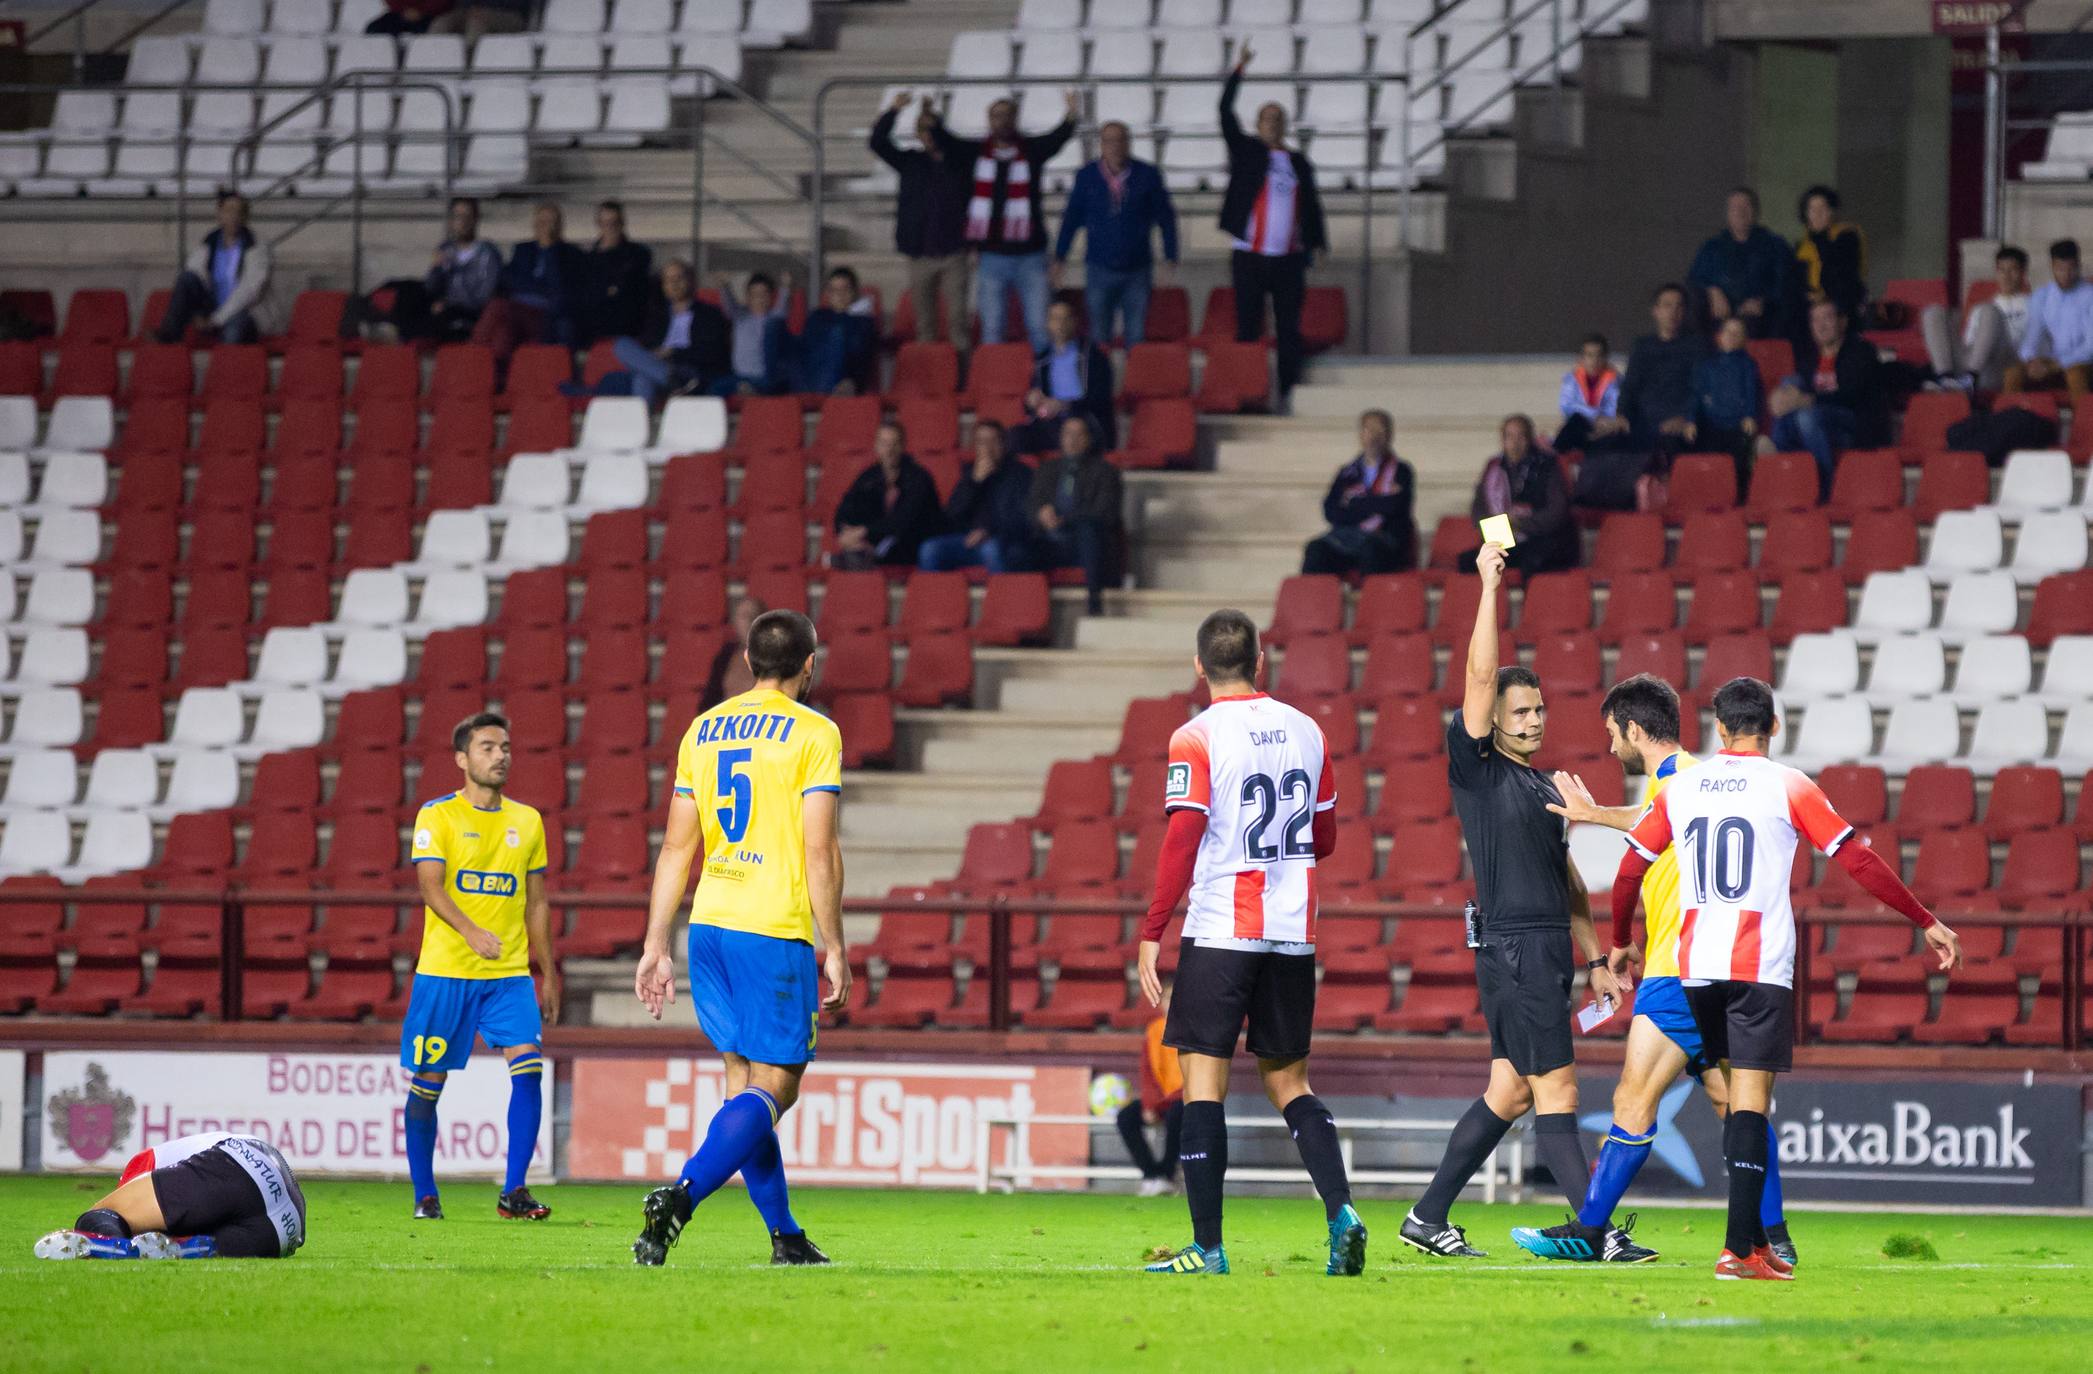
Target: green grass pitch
{"x":949,"y":1281}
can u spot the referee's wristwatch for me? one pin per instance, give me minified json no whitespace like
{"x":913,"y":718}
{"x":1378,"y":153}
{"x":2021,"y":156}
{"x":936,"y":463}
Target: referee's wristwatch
{"x":1591,"y":964}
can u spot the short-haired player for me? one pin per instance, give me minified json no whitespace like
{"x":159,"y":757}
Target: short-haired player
{"x":1252,"y":804}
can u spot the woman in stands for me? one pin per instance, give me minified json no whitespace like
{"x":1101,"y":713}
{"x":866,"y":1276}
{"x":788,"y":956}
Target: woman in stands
{"x":195,"y":1197}
{"x":1831,"y":255}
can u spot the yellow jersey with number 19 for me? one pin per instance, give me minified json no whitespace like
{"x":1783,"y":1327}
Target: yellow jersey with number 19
{"x":1660,"y":888}
{"x":748,"y":763}
{"x":487,"y":857}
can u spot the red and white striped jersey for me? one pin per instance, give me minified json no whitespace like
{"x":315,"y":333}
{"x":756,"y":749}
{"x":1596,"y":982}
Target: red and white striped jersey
{"x":1734,"y":819}
{"x":1259,"y":770}
{"x":171,"y":1152}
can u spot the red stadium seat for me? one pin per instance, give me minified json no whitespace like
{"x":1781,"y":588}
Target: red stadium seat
{"x":1556,"y":604}
{"x":1398,"y":666}
{"x":866,"y":720}
{"x":2063,"y":606}
{"x":1775,"y":359}
{"x":386,"y":372}
{"x":931,"y":423}
{"x":34,"y":307}
{"x":1568,"y":662}
{"x":2040,"y":403}
{"x":1458,"y":603}
{"x":1324,"y":319}
{"x":1155,"y":371}
{"x":86,"y":370}
{"x":939,"y":671}
{"x":1430,"y":1008}
{"x":1307,"y":604}
{"x":2041,"y":871}
{"x":316,"y":319}
{"x":694,"y":598}
{"x":146,"y":537}
{"x":1950,"y":480}
{"x":368,"y":780}
{"x":379,"y":539}
{"x":996,"y":855}
{"x":1866,"y":480}
{"x":1638,"y":603}
{"x":923,"y":370}
{"x":614,"y":723}
{"x":1389,"y":603}
{"x":615,"y":598}
{"x":1015,"y":609}
{"x":1315,"y":666}
{"x":353,"y":984}
{"x":1701,"y":482}
{"x":769,"y":425}
{"x":311,"y":373}
{"x":1628,"y":544}
{"x":1858,"y":792}
{"x":371,"y":720}
{"x":1876,"y":1016}
{"x":1713,"y":542}
{"x":1169,"y":315}
{"x":1145,"y":732}
{"x":160,"y":372}
{"x":781,"y":589}
{"x":1809,"y":603}
{"x":1796,"y":541}
{"x":1237,"y":378}
{"x":236,"y":372}
{"x":861,"y":662}
{"x":998,"y":376}
{"x":1661,"y":655}
{"x":2023,"y":798}
{"x":1163,"y":433}
{"x":132,"y":656}
{"x":461,"y":431}
{"x":846,"y":428}
{"x":22,"y":368}
{"x":935,"y":603}
{"x":1217,"y":324}
{"x":541,"y":424}
{"x":1952,"y":864}
{"x":1723,"y":603}
{"x":1746,"y":654}
{"x":1082,"y":854}
{"x":1780,"y":483}
{"x":773,"y":539}
{"x":464,"y":376}
{"x":97,"y":316}
{"x":1404,"y":729}
{"x":308,"y":483}
{"x":1076,"y":790}
{"x":1936,"y":797}
{"x":530,"y":659}
{"x":211,"y":657}
{"x":384,"y":427}
{"x":536,"y":374}
{"x":1452,"y":537}
{"x":694,"y":482}
{"x":1411,"y":792}
{"x":1927,"y":417}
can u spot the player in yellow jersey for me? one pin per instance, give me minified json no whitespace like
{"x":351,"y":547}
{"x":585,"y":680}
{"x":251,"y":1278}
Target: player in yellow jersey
{"x":759,"y":780}
{"x":479,"y":858}
{"x":1642,"y":724}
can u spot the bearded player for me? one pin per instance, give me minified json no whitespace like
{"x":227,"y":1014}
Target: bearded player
{"x":1642,"y":725}
{"x":1252,"y":806}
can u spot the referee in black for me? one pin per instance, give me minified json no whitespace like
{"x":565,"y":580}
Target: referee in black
{"x":1529,"y":905}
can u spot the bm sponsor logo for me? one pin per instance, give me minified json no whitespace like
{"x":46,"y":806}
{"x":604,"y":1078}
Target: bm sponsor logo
{"x":482,"y":884}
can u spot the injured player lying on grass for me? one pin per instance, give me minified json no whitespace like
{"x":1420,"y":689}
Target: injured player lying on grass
{"x":196,"y":1197}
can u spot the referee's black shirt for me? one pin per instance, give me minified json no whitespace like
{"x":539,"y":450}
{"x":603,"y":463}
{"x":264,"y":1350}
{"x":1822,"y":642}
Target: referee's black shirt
{"x":1520,"y":849}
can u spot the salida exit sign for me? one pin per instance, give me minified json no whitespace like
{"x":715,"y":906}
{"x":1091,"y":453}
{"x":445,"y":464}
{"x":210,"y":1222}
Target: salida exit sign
{"x":1957,"y":18}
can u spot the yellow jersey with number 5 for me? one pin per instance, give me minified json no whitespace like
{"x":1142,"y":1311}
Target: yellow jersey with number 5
{"x":1660,"y":889}
{"x":748,"y":763}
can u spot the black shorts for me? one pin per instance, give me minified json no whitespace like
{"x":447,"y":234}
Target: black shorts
{"x":209,"y":1194}
{"x":1752,"y":1025}
{"x":1524,"y":977}
{"x":1218,"y":990}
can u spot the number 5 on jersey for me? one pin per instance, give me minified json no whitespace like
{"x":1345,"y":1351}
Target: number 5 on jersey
{"x":735,"y":790}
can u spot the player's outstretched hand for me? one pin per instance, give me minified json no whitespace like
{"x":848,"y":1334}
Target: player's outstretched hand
{"x":1946,"y":944}
{"x":836,"y":968}
{"x":1578,"y":803}
{"x":482,"y":941}
{"x":1624,"y":960}
{"x":1151,"y":983}
{"x":1489,"y":566}
{"x":1605,"y":986}
{"x":654,"y":982}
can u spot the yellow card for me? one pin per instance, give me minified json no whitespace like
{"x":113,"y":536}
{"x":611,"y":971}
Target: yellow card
{"x":1497,"y":529}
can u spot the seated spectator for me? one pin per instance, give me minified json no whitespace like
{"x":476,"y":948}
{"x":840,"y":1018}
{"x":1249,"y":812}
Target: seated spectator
{"x":1992,"y":332}
{"x":1072,"y":377}
{"x":1743,"y":270}
{"x":838,"y":346}
{"x":1372,"y":526}
{"x":1835,"y":400}
{"x":539,"y":287}
{"x":730,"y":675}
{"x":224,"y":283}
{"x":1076,"y":508}
{"x":681,"y":347}
{"x":1591,"y":397}
{"x":617,"y":280}
{"x":1118,"y":203}
{"x":1525,"y":482}
{"x":478,"y":18}
{"x":2058,"y":346}
{"x":1726,"y":400}
{"x":404,"y":18}
{"x":1654,"y":412}
{"x":988,"y":518}
{"x":1831,"y":256}
{"x":444,"y":305}
{"x":757,"y":331}
{"x":888,"y":512}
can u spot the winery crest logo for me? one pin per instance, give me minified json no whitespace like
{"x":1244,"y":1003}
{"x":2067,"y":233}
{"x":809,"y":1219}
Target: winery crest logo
{"x":93,"y":1119}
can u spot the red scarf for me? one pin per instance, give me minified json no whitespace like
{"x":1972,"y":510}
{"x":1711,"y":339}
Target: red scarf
{"x":1003,"y":162}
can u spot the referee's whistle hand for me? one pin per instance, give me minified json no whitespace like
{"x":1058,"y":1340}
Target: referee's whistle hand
{"x":1151,"y":984}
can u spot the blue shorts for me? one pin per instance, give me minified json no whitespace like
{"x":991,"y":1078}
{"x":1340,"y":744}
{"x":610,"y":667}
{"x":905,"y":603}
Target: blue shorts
{"x":756,"y":995}
{"x":1663,"y":1000}
{"x":443,"y":1013}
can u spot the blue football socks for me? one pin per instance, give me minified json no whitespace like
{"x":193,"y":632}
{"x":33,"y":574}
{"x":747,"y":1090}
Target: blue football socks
{"x":1620,"y":1159}
{"x":526,"y":1109}
{"x":765,"y":1175}
{"x":1771,"y":1212}
{"x":421,"y":1133}
{"x":737,"y":1131}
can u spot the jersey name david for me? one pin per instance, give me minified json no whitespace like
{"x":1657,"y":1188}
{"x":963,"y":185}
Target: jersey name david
{"x":1259,"y":770}
{"x":1734,"y":821}
{"x":748,"y":763}
{"x":487,"y":857}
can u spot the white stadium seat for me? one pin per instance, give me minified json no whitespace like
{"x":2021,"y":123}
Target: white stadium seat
{"x":1119,"y":17}
{"x":2069,"y":154}
{"x":454,"y":539}
{"x":1194,"y":53}
{"x":977,"y":53}
{"x":2067,"y":674}
{"x":52,"y":657}
{"x":569,"y":107}
{"x":114,"y":842}
{"x":711,"y":16}
{"x":122,"y":780}
{"x":693,"y":424}
{"x":41,"y":780}
{"x":369,"y":658}
{"x":774,"y":23}
{"x":11,"y":539}
{"x":614,"y":424}
{"x":504,"y":55}
{"x":1994,"y":666}
{"x":1260,"y":13}
{"x":642,"y":16}
{"x":79,"y":150}
{"x":1979,"y":603}
{"x":48,"y":718}
{"x":1920,"y":730}
{"x":2049,"y":541}
{"x":354,"y":16}
{"x":1047,"y":14}
{"x":80,"y":424}
{"x":300,"y":16}
{"x":2074,"y":751}
{"x":380,"y":57}
{"x":1188,"y":14}
{"x":291,"y":656}
{"x":1335,"y":50}
{"x":1893,"y":603}
{"x":201,"y":780}
{"x":293,"y":718}
{"x":637,"y":106}
{"x":14,"y":480}
{"x":536,"y":481}
{"x":574,"y":16}
{"x":2034,"y":479}
{"x":532,"y":539}
{"x":60,"y":596}
{"x":35,"y":842}
{"x":1833,"y":730}
{"x":17,"y":427}
{"x":373,"y":596}
{"x":158,"y":61}
{"x":609,"y":481}
{"x":1318,"y":12}
{"x":65,"y":539}
{"x":207,"y":718}
{"x":2009,"y":731}
{"x":1820,"y":665}
{"x":1049,"y":56}
{"x":452,"y":597}
{"x":571,"y":53}
{"x":1271,"y":52}
{"x":1913,"y":665}
{"x":1965,"y":541}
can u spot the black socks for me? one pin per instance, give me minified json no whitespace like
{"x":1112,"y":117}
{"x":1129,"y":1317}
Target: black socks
{"x":1203,"y":1157}
{"x":1473,"y":1138}
{"x":1744,"y":1147}
{"x":1562,"y":1150}
{"x":103,"y":1221}
{"x":1315,"y":1136}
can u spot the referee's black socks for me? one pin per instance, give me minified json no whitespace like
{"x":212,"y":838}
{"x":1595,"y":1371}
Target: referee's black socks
{"x":1744,"y":1147}
{"x":1315,"y":1136}
{"x":1203,"y":1156}
{"x":1474,"y":1136}
{"x":1555,"y":1138}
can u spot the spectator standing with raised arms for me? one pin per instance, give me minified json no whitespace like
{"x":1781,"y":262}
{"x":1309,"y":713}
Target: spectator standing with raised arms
{"x":1004,"y":222}
{"x":930,"y":216}
{"x":1272,"y":212}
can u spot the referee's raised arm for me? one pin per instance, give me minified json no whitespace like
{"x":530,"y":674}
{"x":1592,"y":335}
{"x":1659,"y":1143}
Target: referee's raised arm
{"x":1479,"y":697}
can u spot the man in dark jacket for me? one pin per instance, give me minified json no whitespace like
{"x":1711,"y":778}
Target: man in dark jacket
{"x":539,"y":287}
{"x":1742,"y":272}
{"x":1835,"y":400}
{"x":988,"y":518}
{"x":682,"y":343}
{"x":1004,"y":220}
{"x":1372,"y":527}
{"x":616,"y":280}
{"x":1272,"y":212}
{"x":1076,"y":509}
{"x":1657,"y":395}
{"x":888,"y":512}
{"x":837,"y":347}
{"x":930,"y":216}
{"x":1525,"y":482}
{"x":1118,"y":203}
{"x":1072,"y":377}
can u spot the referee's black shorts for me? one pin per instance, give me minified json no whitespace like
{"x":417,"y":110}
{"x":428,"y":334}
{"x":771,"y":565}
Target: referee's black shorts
{"x":209,"y":1194}
{"x":1524,"y":977}
{"x":1218,"y":990}
{"x":1752,"y":1025}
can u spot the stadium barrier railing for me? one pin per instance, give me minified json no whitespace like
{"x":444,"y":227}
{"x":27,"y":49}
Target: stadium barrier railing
{"x":1509,"y":1170}
{"x":1001,"y":909}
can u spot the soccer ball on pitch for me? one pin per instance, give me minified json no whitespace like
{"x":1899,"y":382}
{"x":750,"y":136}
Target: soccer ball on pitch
{"x":1108,"y":1093}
